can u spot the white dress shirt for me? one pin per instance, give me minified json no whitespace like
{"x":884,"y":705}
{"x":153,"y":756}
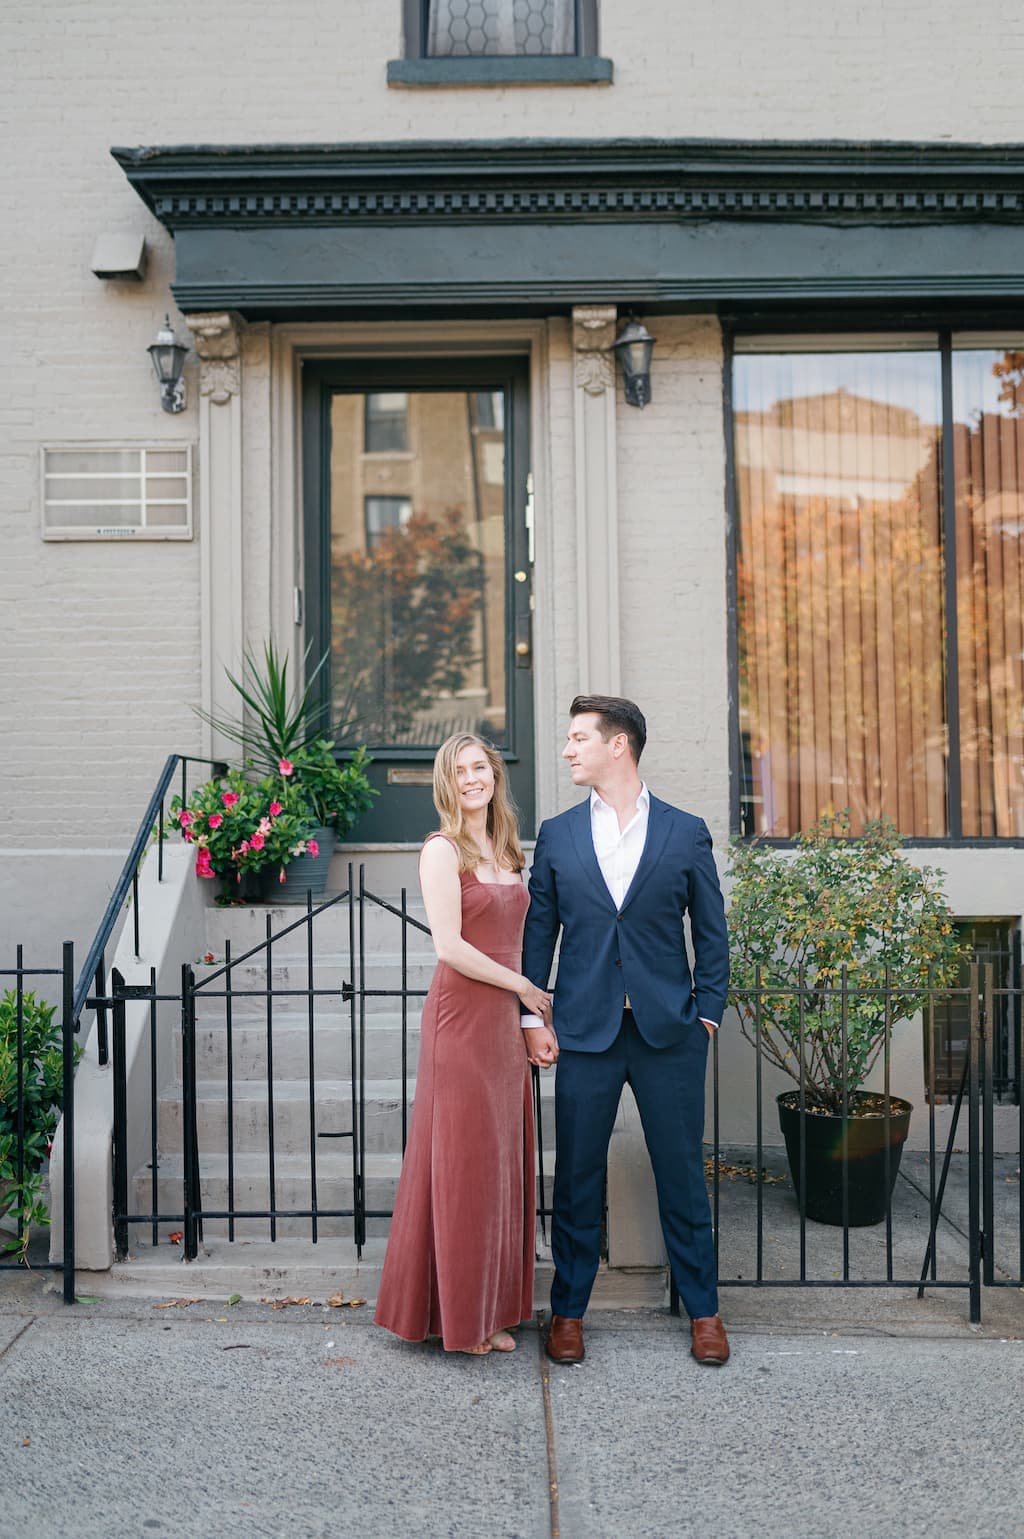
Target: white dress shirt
{"x":618,"y":850}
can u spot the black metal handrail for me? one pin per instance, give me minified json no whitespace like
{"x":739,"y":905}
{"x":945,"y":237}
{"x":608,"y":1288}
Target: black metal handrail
{"x":93,"y":971}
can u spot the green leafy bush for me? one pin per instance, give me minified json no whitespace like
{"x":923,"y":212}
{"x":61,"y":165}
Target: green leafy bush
{"x":835,"y":908}
{"x":41,"y":1103}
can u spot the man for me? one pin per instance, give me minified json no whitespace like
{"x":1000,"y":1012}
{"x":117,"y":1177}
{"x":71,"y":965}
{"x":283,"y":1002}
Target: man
{"x":615,"y":875}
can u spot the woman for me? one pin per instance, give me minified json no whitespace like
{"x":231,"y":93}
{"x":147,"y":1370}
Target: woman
{"x":459,"y":1263}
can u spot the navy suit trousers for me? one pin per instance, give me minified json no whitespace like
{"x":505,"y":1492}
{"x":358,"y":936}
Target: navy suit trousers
{"x":668,"y":1084}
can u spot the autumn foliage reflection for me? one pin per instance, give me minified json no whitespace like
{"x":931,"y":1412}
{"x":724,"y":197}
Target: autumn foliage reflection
{"x":404,"y":620}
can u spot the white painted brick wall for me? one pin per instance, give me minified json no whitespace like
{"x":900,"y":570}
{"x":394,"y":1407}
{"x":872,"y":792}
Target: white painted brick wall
{"x":672,"y":568}
{"x":101,"y":642}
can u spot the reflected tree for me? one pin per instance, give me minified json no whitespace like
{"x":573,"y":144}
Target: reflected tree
{"x":404,"y":625}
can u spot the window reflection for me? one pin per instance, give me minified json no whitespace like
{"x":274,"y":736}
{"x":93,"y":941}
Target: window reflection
{"x":418,"y":569}
{"x":845,"y":671}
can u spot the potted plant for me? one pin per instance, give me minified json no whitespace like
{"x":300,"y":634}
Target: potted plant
{"x":240,"y":827}
{"x":22,"y":1201}
{"x":269,"y":828}
{"x":823,"y":934}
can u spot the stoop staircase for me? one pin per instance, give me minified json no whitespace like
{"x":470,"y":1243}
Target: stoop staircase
{"x":266,"y":1127}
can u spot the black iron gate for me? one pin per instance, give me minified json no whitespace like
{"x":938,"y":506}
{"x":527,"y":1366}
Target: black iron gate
{"x":332,"y":1012}
{"x":230,"y":985}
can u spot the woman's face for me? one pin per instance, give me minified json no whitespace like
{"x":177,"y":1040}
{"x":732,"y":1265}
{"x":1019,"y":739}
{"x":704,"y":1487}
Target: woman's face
{"x":474,"y":778}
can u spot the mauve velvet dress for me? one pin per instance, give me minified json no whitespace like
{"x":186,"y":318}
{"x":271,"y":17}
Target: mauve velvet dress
{"x":459,"y":1262}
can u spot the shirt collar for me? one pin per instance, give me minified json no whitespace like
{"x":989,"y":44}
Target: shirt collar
{"x":599,"y":806}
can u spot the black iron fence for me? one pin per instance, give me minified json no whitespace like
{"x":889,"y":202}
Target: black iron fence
{"x":37,"y":1084}
{"x":282,"y":1121}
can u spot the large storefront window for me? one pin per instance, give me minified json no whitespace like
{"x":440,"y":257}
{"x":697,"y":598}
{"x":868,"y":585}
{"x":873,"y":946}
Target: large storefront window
{"x":876,"y":479}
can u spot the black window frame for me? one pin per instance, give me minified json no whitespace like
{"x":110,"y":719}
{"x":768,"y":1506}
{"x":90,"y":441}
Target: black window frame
{"x":945,"y":323}
{"x":419,"y":68}
{"x":996,"y":943}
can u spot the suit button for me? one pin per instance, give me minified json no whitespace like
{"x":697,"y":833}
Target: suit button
{"x":619,"y":918}
{"x":617,"y":962}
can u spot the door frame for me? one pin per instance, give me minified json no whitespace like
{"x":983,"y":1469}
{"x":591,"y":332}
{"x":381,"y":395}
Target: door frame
{"x":548,"y":346}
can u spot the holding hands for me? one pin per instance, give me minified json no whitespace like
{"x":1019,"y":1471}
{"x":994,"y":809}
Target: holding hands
{"x":540,"y":1041}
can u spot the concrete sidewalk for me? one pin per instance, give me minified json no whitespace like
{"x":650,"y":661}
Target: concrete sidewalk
{"x":853,"y":1415}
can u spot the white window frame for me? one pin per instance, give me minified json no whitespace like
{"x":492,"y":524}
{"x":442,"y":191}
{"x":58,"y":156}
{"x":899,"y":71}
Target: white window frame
{"x":52,"y":531}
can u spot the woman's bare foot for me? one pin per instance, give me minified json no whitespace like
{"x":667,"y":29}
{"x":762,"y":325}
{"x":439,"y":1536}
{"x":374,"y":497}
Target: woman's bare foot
{"x":480,"y":1351}
{"x":501,"y":1341}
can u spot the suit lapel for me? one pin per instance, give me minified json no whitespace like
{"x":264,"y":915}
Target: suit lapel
{"x":583,"y":839}
{"x":658,"y":826}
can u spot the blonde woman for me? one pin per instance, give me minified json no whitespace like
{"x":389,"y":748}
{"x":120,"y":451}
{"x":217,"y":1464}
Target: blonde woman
{"x":459,"y":1262}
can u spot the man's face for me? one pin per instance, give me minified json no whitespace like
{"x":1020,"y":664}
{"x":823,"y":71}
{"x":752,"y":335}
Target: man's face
{"x":590,"y":757}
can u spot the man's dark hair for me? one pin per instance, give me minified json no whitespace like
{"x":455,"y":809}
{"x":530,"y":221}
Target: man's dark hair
{"x":616,"y":715}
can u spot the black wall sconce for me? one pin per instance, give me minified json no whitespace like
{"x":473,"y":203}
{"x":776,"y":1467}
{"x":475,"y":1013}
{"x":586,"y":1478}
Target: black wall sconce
{"x":634,"y":346}
{"x":168,"y":355}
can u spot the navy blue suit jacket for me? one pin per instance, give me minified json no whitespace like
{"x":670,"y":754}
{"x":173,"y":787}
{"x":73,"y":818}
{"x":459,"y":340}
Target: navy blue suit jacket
{"x":639,"y":949}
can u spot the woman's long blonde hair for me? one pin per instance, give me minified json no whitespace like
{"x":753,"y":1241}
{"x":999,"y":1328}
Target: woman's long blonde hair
{"x":502,"y":822}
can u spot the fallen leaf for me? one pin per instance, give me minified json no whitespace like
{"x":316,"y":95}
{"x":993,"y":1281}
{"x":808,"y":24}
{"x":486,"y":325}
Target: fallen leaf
{"x":26,"y":1442}
{"x":355,"y":1303}
{"x":176,"y":1236}
{"x":87,"y":1298}
{"x":284,"y":1303}
{"x":336,"y":1301}
{"x":236,"y":1298}
{"x":177,"y":1303}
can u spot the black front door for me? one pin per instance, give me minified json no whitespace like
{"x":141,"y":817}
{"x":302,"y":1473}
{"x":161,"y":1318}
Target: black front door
{"x":418,"y":568}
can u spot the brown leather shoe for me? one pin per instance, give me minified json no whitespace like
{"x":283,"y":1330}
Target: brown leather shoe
{"x":565,"y":1341}
{"x":710,"y":1345}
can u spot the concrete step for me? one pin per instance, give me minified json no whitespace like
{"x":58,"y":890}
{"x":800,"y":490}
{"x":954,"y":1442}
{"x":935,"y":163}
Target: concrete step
{"x":292,"y":1193}
{"x":289,"y":977}
{"x":297,"y":1268}
{"x":332,"y":1045}
{"x":332,"y":1112}
{"x":246,"y":927}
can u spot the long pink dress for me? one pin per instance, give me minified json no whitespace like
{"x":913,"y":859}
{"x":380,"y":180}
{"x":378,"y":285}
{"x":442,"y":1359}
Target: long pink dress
{"x":459,"y":1262}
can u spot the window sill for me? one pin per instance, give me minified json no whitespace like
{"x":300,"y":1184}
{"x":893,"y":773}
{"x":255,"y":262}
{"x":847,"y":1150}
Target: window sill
{"x":562,"y":70}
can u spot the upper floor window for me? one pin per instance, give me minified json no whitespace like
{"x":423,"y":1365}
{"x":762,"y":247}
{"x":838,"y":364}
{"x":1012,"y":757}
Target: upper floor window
{"x":476,"y":28}
{"x":880,"y":582}
{"x":500,"y":42}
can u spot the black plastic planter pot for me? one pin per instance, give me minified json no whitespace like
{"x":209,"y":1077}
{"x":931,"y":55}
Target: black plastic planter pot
{"x":863,"y":1142}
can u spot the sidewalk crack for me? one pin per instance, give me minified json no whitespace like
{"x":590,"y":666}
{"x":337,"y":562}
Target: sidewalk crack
{"x":549,"y":1429}
{"x":14,"y":1339}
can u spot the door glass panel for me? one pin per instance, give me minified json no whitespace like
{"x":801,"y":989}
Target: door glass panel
{"x":418,"y":566}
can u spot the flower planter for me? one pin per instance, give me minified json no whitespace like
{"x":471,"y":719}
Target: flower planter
{"x":245,"y":888}
{"x":863,"y":1141}
{"x":304,"y":875}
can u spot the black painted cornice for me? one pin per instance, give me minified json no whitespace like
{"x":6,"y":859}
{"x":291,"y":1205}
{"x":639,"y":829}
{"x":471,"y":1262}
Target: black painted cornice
{"x":578,"y":181}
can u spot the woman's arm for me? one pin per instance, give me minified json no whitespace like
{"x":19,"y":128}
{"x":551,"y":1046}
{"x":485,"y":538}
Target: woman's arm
{"x":442,"y":898}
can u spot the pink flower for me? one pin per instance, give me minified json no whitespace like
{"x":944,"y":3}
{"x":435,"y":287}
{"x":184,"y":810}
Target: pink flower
{"x":286,"y":766}
{"x":312,"y":848}
{"x":203,"y":866}
{"x":264,"y":826}
{"x":275,"y":808}
{"x":185,"y":818}
{"x":257,"y":841}
{"x":186,"y":836}
{"x":242,"y":847}
{"x":281,"y":876}
{"x":230,"y":798}
{"x":215,"y":819}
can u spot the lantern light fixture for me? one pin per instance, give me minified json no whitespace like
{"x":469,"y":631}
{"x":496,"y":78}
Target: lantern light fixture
{"x":168,"y":355}
{"x":634,"y":346}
